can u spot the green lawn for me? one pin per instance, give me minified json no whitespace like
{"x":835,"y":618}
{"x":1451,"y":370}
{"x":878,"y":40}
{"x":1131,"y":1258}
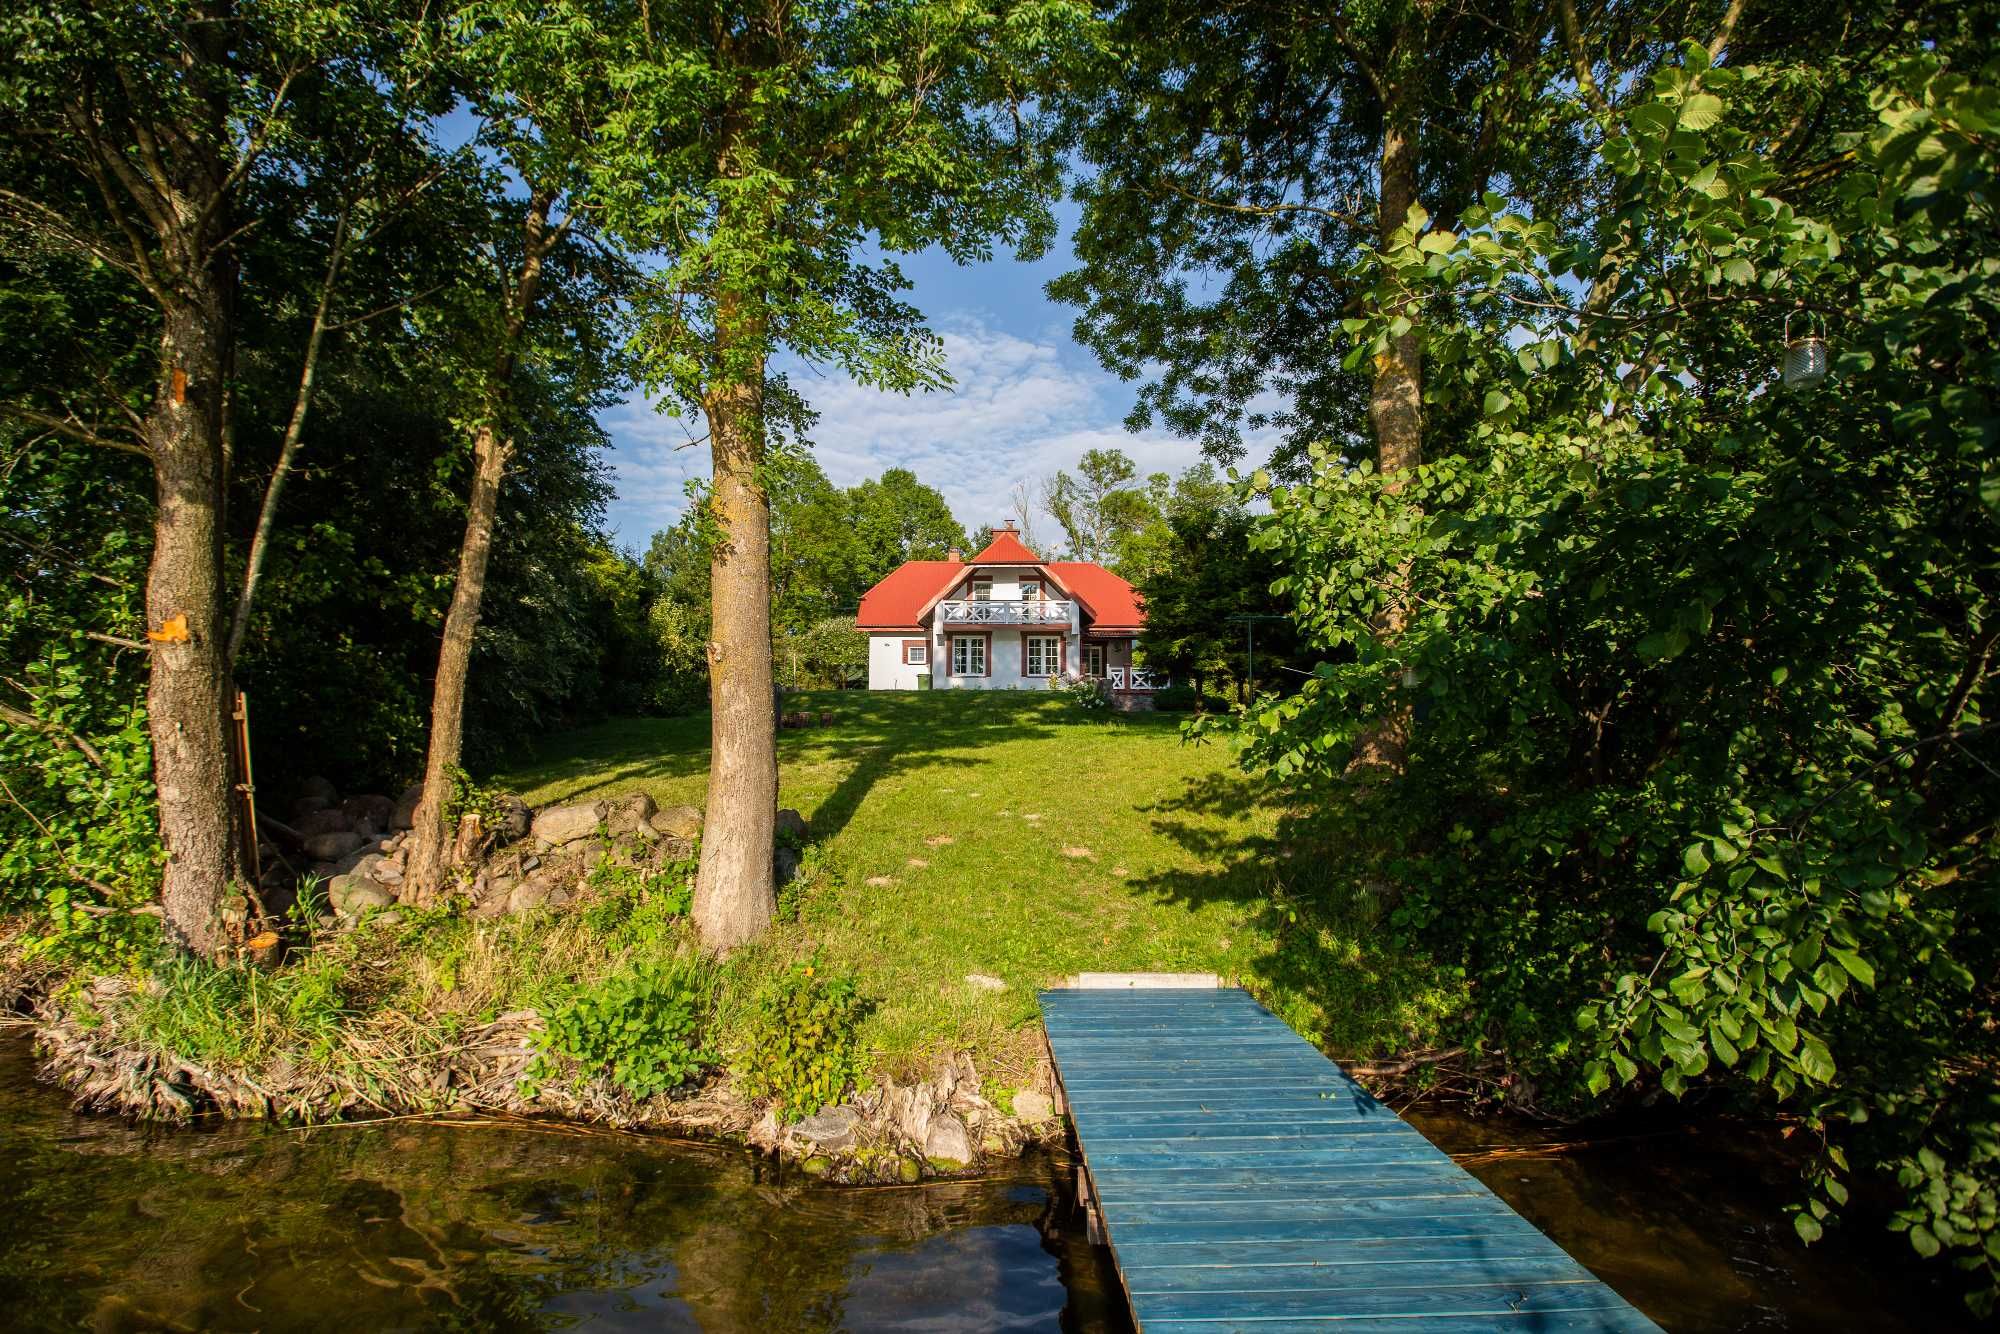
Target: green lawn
{"x":1018,"y":836}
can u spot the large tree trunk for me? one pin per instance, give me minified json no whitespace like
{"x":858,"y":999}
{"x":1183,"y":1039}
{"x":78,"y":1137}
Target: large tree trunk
{"x":1395,"y":406}
{"x":429,"y":855}
{"x":734,"y":897}
{"x":187,"y":693}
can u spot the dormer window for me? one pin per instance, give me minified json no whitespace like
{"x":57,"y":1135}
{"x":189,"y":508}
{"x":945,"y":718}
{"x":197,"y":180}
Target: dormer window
{"x":982,"y":588}
{"x":1031,"y":590}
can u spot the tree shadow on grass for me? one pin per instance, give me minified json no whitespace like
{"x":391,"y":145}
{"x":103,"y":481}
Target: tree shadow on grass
{"x":1333,"y":970}
{"x":875,"y":733}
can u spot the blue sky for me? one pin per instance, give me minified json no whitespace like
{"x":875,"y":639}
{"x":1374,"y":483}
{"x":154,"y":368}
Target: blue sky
{"x":1028,"y":401}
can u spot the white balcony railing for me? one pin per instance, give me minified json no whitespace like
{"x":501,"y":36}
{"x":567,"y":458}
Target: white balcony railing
{"x":1136,"y":678}
{"x":987,"y":611}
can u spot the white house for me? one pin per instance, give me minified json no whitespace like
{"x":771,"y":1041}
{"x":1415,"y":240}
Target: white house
{"x":1006,"y":619}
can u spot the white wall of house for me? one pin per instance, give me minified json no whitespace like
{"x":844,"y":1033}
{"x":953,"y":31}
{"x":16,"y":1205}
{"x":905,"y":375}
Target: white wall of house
{"x":886,"y":668}
{"x":1006,"y":668}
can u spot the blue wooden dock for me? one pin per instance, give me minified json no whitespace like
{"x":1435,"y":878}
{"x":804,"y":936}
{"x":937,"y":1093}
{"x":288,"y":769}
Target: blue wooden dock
{"x":1244,"y":1181}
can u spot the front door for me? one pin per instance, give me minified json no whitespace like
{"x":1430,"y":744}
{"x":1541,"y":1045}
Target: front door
{"x":1093,"y":659}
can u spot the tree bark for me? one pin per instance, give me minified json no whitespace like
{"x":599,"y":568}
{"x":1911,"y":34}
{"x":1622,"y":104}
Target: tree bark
{"x":431,"y":841}
{"x":429,"y":856}
{"x":1395,"y":405}
{"x":187,"y":692}
{"x":735,"y":895}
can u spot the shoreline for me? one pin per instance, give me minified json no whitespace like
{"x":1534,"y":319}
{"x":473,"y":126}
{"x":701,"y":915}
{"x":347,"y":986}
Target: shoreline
{"x":886,"y":1133}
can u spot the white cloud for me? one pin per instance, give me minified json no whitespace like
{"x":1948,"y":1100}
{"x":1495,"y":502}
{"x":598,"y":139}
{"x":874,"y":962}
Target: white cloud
{"x":1020,"y":408}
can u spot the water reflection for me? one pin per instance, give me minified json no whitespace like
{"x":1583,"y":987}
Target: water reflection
{"x":1689,"y":1225}
{"x":417,"y":1226}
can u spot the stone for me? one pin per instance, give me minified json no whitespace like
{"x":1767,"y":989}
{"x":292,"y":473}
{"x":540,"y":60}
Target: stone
{"x":319,"y":789}
{"x":558,"y":825}
{"x":305,"y":806}
{"x":948,"y":1145}
{"x":405,"y":814}
{"x":1033,"y":1108}
{"x":323,"y":821}
{"x":677,"y":822}
{"x":816,"y":1166}
{"x":878,"y":882}
{"x":351,"y":895}
{"x":833,"y":1128}
{"x":908,"y":1172}
{"x":785,"y":864}
{"x":630,"y":813}
{"x":514,"y":819}
{"x":530,"y":894}
{"x":331,"y":847}
{"x":588,"y":853}
{"x":791,"y":824}
{"x":984,"y":982}
{"x":372,"y":807}
{"x":494,"y":902}
{"x":373,"y":865}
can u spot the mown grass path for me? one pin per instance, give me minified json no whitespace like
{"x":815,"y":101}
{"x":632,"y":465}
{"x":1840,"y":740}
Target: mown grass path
{"x":1017,"y":836}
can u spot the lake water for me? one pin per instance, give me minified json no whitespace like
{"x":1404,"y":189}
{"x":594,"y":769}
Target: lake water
{"x":413,"y":1225}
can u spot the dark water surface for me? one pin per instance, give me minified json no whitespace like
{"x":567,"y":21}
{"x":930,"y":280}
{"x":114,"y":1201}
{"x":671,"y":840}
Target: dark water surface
{"x":110,"y":1227}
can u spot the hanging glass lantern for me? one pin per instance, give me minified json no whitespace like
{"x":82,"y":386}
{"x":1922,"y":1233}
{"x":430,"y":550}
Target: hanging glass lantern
{"x":1805,"y":356}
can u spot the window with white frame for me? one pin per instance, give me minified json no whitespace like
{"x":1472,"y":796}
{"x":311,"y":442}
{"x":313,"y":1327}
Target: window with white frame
{"x":968,"y":655}
{"x":1031,"y":590}
{"x":916,"y":652}
{"x":1093,"y":659}
{"x":982,"y":588}
{"x":1044,"y":655}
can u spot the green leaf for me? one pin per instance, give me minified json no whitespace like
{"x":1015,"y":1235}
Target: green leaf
{"x":1807,"y":1227}
{"x":1815,"y":1060}
{"x":1700,"y":111}
{"x":1857,"y":967}
{"x":1497,"y":402}
{"x":1696,"y":858}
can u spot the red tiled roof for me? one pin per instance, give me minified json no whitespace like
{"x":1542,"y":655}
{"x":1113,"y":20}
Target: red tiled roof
{"x":1005,"y":549}
{"x":904,"y":593}
{"x":1112,"y":603}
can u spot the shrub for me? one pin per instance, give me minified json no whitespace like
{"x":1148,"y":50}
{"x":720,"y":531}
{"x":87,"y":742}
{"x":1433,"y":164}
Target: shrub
{"x":1176,"y":699}
{"x":641,"y":1028}
{"x":1086,"y":692}
{"x":799,"y":1046}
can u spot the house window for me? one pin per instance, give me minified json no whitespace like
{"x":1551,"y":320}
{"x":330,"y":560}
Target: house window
{"x":982,"y":588}
{"x":916,"y":653}
{"x":1093,"y":659}
{"x":1031,"y":590}
{"x":968,"y":655}
{"x":1044,"y":655}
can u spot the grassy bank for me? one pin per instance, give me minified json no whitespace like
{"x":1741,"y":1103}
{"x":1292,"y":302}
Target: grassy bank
{"x":1016,"y":836}
{"x":963,"y":851}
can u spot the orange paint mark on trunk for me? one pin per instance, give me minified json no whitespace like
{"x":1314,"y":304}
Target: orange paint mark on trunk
{"x":174,"y":631}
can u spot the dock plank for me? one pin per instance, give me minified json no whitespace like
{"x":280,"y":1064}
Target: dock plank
{"x":1246,"y":1182}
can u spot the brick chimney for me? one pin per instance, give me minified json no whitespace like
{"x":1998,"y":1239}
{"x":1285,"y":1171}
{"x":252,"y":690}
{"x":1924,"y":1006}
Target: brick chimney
{"x":955,"y":556}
